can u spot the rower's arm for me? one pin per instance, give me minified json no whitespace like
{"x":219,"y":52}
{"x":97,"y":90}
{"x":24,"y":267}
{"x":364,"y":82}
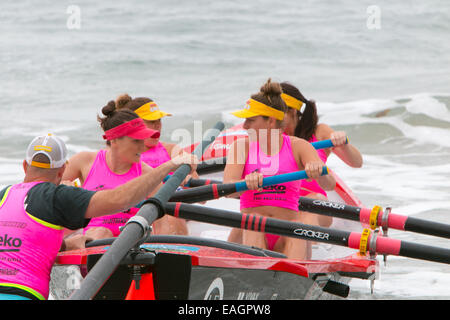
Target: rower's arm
{"x":236,"y":158}
{"x":146,"y":169}
{"x":129,"y":194}
{"x":345,"y":151}
{"x":77,"y":164}
{"x":308,"y":159}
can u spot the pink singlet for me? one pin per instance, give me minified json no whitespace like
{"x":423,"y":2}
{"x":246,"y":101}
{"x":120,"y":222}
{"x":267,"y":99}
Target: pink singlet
{"x":308,"y":187}
{"x":28,"y":245}
{"x":155,"y":156}
{"x":283,"y":195}
{"x":100,"y":177}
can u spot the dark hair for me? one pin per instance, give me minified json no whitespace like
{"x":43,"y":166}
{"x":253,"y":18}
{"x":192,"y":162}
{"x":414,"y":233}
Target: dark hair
{"x":124,"y":101}
{"x":308,"y":119}
{"x":270,"y":95}
{"x":113,"y":117}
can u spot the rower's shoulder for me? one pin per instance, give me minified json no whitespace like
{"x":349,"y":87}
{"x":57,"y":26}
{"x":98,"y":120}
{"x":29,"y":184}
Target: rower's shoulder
{"x":323,"y":131}
{"x":83,"y":157}
{"x":296,"y":141}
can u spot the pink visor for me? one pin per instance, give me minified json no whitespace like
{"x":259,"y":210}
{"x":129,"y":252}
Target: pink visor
{"x":135,"y":129}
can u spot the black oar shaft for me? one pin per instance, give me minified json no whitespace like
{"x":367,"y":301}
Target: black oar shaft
{"x":329,"y":208}
{"x":203,"y":193}
{"x":427,"y":227}
{"x":192,"y":183}
{"x":373,"y":243}
{"x":393,"y":220}
{"x":213,"y":165}
{"x":424,"y":252}
{"x":257,"y":223}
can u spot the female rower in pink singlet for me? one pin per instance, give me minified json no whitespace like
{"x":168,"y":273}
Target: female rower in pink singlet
{"x":267,"y":152}
{"x":156,"y":153}
{"x":302,"y":121}
{"x":120,"y":162}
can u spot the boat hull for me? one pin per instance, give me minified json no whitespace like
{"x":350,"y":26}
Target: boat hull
{"x":193,"y":268}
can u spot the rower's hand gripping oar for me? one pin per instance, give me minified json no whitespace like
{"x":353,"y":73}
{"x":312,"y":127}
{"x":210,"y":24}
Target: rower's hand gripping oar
{"x":214,"y":191}
{"x":218,"y":164}
{"x":137,"y":227}
{"x":365,"y":242}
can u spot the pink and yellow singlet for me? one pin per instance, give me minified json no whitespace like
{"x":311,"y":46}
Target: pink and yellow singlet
{"x":100,"y":177}
{"x":28,"y":245}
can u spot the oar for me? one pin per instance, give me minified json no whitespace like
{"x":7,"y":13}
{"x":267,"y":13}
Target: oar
{"x":214,"y":191}
{"x":212,"y":165}
{"x":193,"y":183}
{"x":375,"y":217}
{"x":364,"y":242}
{"x":137,"y":227}
{"x":218,"y":164}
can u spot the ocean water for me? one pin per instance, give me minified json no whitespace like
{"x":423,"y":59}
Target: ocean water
{"x":379,"y":71}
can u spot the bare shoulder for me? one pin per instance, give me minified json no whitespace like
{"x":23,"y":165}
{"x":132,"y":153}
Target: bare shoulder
{"x":297,"y":142}
{"x":83,"y":157}
{"x":323,"y":131}
{"x":79,"y":165}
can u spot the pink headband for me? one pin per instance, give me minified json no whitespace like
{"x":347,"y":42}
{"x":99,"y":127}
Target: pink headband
{"x":135,"y":129}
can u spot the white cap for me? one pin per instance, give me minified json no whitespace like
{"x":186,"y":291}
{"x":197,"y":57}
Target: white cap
{"x":49,"y":145}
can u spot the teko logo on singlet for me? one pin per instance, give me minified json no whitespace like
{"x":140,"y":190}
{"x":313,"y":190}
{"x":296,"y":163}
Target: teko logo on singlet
{"x":273,"y":189}
{"x":8,"y":243}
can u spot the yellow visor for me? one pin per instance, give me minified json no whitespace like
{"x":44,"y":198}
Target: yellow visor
{"x":150,"y":111}
{"x":255,"y":108}
{"x":291,"y":101}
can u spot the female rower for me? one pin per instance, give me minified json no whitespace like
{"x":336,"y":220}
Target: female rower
{"x":302,"y":121}
{"x":156,"y":152}
{"x":120,"y":162}
{"x":267,"y":152}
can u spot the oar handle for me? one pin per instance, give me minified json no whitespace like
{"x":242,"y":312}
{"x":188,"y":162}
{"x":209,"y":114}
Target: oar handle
{"x":280,"y":178}
{"x":323,"y":144}
{"x":215,"y":191}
